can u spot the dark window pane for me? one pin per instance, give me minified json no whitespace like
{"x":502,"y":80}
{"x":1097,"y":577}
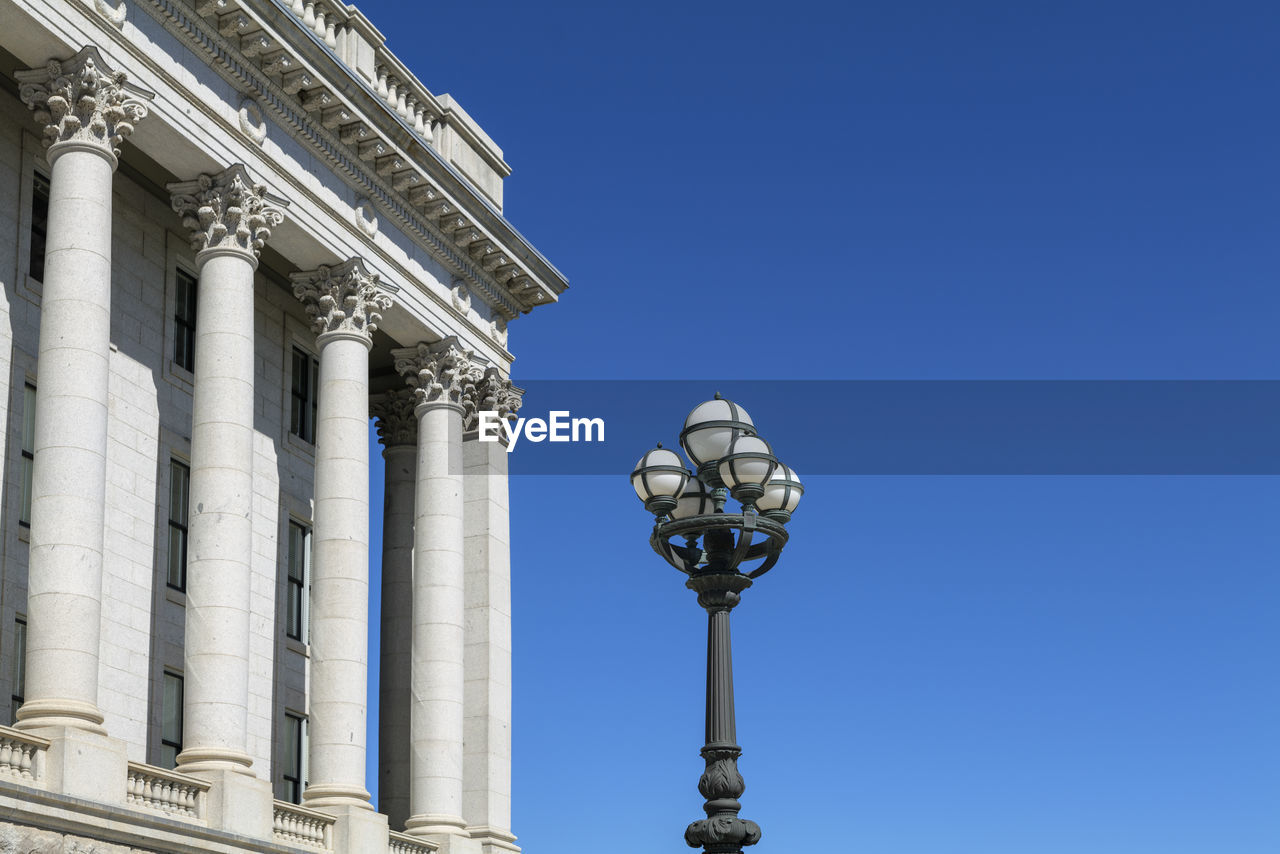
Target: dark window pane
{"x":179,"y":489}
{"x":39,"y":225}
{"x":184,"y":321}
{"x":302,"y":411}
{"x":28,"y":450}
{"x":19,"y":666}
{"x":171,"y":720}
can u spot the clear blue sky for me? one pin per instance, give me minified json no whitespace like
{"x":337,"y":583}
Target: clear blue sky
{"x":938,"y":665}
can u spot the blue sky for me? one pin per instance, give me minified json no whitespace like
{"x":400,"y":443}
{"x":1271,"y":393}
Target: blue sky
{"x":822,"y":191}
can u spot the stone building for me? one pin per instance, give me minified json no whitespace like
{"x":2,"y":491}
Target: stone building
{"x":231,"y":232}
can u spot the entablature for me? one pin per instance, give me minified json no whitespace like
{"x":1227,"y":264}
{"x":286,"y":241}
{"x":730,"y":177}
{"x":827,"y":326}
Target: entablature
{"x":314,"y":51}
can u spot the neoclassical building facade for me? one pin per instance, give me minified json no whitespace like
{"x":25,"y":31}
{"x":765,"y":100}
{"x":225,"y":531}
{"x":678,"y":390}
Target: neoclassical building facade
{"x":232,"y":232}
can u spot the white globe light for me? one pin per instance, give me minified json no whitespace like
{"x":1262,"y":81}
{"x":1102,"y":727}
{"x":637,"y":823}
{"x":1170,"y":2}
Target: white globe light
{"x":782,"y":491}
{"x":694,"y":501}
{"x":660,"y":474}
{"x":749,"y":462}
{"x":711,"y":426}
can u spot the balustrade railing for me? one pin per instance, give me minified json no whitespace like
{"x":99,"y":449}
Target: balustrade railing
{"x":297,"y":825}
{"x":166,"y":791}
{"x":401,"y":843}
{"x":22,"y":757}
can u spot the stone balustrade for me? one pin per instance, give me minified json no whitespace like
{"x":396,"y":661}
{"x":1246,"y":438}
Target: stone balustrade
{"x":401,"y":843}
{"x":166,"y":791}
{"x":295,"y":825}
{"x":22,"y":757}
{"x":360,"y":46}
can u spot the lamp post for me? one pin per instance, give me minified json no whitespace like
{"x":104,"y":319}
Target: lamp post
{"x":731,"y":461}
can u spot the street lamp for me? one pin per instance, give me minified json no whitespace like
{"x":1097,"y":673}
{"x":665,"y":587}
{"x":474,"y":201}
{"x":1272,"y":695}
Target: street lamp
{"x":720,"y":439}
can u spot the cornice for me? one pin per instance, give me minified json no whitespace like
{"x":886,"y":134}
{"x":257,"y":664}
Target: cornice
{"x":281,"y":75}
{"x":292,"y":112}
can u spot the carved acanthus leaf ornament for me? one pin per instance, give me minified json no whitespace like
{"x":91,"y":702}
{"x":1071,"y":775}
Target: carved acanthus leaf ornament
{"x":397,"y":424}
{"x":227,"y":211}
{"x":82,"y":100}
{"x":494,"y":393}
{"x":444,"y":372}
{"x":345,"y":298}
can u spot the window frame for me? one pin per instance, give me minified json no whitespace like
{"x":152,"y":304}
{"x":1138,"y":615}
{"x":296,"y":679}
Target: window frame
{"x":38,"y":224}
{"x":27,"y":451}
{"x":292,"y":786}
{"x":178,"y":527}
{"x":165,"y":741}
{"x":185,"y":295}
{"x":19,"y":684}
{"x":303,"y":393}
{"x":300,"y":585}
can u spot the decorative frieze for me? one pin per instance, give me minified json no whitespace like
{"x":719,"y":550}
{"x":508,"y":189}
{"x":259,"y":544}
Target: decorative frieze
{"x":397,"y":424}
{"x":346,"y":298}
{"x":445,"y":372}
{"x":82,"y":100}
{"x":227,"y":211}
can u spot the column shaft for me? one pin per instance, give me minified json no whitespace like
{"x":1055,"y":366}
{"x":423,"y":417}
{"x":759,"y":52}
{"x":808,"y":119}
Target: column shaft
{"x":68,"y":490}
{"x":394,"y":697}
{"x":220,"y":546}
{"x":340,"y":574}
{"x":487,"y":698}
{"x":438,"y":642}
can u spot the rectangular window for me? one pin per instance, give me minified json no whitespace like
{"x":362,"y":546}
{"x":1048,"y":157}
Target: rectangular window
{"x":171,"y":720}
{"x":19,"y":666}
{"x":299,"y":560}
{"x":179,"y":488}
{"x":306,"y":376}
{"x":28,"y":451}
{"x":39,"y":225}
{"x":292,"y":753}
{"x":184,"y":321}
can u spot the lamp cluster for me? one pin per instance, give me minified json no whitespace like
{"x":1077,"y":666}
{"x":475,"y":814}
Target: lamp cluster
{"x":720,"y":439}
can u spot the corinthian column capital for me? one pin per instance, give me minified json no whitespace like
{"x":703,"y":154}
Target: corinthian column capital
{"x":344,"y":299}
{"x":228,"y":211}
{"x":81,"y":101}
{"x":397,"y":424}
{"x":445,"y":373}
{"x":494,"y":393}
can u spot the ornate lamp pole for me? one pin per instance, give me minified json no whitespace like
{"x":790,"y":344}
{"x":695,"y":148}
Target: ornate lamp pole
{"x":731,"y":460}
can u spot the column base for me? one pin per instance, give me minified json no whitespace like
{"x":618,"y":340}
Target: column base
{"x":448,"y":832}
{"x":237,"y":802}
{"x":60,"y":713}
{"x":320,"y":796}
{"x":358,"y":829}
{"x":494,"y":840}
{"x":198,"y":760}
{"x":84,"y":764}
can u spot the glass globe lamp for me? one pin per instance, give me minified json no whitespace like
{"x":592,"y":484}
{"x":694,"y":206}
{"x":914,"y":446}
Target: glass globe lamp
{"x":695,"y":500}
{"x":781,"y":494}
{"x":746,"y":467}
{"x":710,"y":427}
{"x":659,"y":479}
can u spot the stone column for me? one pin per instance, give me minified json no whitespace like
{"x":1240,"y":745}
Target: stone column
{"x":443,"y":377}
{"x":398,"y":432}
{"x":86,"y":110}
{"x":345,"y":304}
{"x":230,"y":218}
{"x":486,"y":777}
